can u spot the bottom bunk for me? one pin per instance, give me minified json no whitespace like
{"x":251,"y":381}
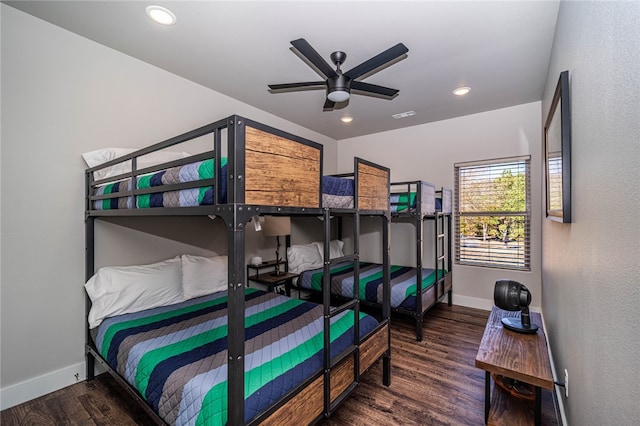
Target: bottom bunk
{"x":403,"y":283}
{"x":175,"y":357}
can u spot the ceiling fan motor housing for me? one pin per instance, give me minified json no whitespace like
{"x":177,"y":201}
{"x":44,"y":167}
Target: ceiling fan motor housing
{"x":338,"y":83}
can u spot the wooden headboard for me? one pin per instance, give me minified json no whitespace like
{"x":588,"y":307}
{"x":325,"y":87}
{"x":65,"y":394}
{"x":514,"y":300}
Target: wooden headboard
{"x":373,"y":185}
{"x":281,"y":171}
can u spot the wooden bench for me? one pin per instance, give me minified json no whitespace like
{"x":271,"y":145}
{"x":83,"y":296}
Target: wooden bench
{"x":523,"y":357}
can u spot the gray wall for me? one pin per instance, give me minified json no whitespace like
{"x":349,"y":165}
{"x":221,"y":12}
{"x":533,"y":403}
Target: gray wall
{"x":590,"y":268}
{"x":429,"y":151}
{"x":63,"y":95}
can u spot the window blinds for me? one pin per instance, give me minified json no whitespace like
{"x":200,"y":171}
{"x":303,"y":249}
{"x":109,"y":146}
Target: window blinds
{"x":493,"y":213}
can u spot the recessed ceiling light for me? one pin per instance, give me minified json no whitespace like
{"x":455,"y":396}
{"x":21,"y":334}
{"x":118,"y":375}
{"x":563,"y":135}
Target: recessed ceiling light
{"x":404,"y":114}
{"x":461,"y":91}
{"x":161,"y":15}
{"x":346,"y":119}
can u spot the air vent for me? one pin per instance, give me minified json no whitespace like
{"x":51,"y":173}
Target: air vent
{"x":404,"y":114}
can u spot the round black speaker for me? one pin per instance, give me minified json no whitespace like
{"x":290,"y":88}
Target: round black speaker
{"x":512,"y":296}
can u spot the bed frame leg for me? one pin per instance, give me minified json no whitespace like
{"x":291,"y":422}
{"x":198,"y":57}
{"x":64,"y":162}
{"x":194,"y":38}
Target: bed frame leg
{"x":386,"y":370}
{"x":449,"y":297}
{"x":419,"y":328}
{"x":90,"y":367}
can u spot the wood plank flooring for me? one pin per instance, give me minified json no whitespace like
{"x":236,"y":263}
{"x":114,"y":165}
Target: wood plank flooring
{"x":434,"y":382}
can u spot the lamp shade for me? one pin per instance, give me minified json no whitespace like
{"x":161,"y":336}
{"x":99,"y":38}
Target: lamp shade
{"x":276,"y":225}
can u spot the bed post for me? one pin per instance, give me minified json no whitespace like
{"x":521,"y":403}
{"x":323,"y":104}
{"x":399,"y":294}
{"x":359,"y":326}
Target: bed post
{"x":419,"y":227}
{"x":235,"y":220}
{"x":89,"y":261}
{"x":236,"y":305}
{"x":386,"y":295}
{"x":449,"y":259}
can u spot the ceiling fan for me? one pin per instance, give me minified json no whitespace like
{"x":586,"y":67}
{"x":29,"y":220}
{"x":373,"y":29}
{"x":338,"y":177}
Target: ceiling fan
{"x":339,"y":84}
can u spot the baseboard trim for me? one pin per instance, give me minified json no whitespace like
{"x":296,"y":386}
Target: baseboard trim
{"x":41,"y":385}
{"x":478,"y":303}
{"x":557,"y":389}
{"x":471,"y":302}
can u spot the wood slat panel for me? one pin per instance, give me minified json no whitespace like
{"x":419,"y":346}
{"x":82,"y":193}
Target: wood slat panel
{"x":302,"y":409}
{"x":428,"y":297}
{"x":373,"y":188}
{"x":341,"y":377}
{"x":373,"y":348}
{"x":280,"y":171}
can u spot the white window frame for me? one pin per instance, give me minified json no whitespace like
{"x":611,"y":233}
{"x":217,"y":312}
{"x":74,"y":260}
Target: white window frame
{"x":482,"y":251}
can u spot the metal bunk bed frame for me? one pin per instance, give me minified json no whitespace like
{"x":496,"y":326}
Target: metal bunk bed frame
{"x":236,"y":213}
{"x":442,"y":251}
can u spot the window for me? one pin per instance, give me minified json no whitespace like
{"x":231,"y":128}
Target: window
{"x":493,"y":213}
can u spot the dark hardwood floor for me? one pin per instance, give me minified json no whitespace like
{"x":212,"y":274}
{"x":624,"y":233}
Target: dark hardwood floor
{"x":434,"y":382}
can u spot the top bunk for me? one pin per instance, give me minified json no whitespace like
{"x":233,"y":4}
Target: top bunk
{"x":419,"y":199}
{"x":236,"y":161}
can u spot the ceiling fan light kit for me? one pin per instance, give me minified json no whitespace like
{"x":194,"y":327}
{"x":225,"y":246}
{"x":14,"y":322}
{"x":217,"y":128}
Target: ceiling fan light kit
{"x":337,"y":84}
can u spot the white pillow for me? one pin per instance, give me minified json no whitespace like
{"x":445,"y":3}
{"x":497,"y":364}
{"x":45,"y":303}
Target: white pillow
{"x":303,"y":257}
{"x":203,"y":275}
{"x":100,"y":156}
{"x":335,"y":249}
{"x":117,"y":290}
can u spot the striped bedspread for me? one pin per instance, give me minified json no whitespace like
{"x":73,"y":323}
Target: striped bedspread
{"x":402,"y":202}
{"x":191,"y":197}
{"x":403,"y":282}
{"x":176,"y":355}
{"x":337,"y":192}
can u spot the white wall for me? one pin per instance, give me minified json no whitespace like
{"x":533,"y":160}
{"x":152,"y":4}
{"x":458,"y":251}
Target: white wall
{"x":428,"y":152}
{"x":63,"y":95}
{"x":590,"y":268}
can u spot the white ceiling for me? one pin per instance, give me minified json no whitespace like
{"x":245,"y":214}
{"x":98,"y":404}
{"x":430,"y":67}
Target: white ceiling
{"x":500,"y":49}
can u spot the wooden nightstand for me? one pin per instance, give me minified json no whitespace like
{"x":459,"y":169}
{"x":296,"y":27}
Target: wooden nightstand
{"x":271,"y":281}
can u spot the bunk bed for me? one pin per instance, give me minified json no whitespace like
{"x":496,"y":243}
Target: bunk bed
{"x":413,"y":289}
{"x":419,"y":203}
{"x":251,"y":170}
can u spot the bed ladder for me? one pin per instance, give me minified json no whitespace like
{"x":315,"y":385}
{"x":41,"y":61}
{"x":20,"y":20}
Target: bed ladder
{"x":441,"y":258}
{"x":330,"y":312}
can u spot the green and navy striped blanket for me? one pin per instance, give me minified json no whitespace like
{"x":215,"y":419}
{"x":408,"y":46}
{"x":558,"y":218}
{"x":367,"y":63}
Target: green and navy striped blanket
{"x":176,"y":355}
{"x":189,"y":197}
{"x":403,"y":282}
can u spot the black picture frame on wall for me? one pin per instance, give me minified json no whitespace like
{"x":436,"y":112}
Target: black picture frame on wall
{"x":557,"y":142}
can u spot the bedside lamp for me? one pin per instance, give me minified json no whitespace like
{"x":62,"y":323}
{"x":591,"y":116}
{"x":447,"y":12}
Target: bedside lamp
{"x":276,"y":226}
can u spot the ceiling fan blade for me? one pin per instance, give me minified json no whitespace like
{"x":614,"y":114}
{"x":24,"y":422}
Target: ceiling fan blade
{"x":377,"y":61}
{"x":314,"y":57}
{"x":291,"y":87}
{"x":328,"y":105}
{"x":375,"y":90}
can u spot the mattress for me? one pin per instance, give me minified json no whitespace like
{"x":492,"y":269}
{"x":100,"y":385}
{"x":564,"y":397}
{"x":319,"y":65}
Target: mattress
{"x":337,"y":192}
{"x":403,"y":202}
{"x":403,"y":282}
{"x":176,"y":355}
{"x":191,"y":197}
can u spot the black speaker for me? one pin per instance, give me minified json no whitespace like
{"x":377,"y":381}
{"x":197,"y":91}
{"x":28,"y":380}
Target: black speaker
{"x":513,"y":296}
